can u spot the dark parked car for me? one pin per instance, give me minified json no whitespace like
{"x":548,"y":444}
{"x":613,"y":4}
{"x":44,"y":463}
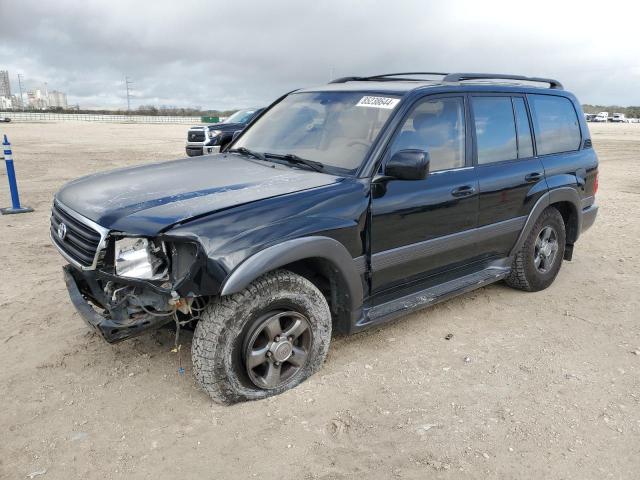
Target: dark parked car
{"x":341,"y":207}
{"x":203,"y":140}
{"x":5,"y":119}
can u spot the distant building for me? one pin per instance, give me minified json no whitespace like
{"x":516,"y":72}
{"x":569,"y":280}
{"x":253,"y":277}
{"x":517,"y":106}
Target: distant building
{"x":16,"y":102}
{"x":5,"y":86}
{"x":57,"y":99}
{"x":6,"y":103}
{"x":37,"y":100}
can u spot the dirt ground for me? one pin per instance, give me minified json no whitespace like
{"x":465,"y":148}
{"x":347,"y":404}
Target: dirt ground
{"x":551,"y":388}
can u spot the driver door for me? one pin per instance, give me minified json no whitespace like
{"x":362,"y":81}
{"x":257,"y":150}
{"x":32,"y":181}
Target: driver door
{"x":421,"y":229}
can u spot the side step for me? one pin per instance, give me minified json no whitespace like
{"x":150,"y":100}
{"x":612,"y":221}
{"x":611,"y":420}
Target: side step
{"x":430,"y":296}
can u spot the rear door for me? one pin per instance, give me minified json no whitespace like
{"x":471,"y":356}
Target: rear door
{"x":422,"y":228}
{"x":511,"y":178}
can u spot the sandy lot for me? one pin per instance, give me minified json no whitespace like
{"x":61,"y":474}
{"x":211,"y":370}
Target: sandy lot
{"x":552,"y":389}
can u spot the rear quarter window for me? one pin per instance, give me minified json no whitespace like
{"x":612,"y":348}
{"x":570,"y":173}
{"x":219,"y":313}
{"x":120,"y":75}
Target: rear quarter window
{"x":555,"y":123}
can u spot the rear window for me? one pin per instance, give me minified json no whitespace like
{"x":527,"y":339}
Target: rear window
{"x":555,"y":123}
{"x":495,"y":129}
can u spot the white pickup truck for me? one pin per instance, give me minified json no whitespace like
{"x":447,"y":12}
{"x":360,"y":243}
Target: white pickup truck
{"x":602,"y":117}
{"x":619,"y":118}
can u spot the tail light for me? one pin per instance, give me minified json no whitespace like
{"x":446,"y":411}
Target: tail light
{"x":595,"y":184}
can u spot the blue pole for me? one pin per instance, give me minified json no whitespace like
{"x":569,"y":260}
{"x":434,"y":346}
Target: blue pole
{"x":13,"y":185}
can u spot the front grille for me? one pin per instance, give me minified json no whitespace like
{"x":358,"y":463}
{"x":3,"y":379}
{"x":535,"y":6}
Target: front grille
{"x":196,"y":136}
{"x":81,"y":241}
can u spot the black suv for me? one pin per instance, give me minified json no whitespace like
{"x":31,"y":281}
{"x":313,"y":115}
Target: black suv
{"x":341,"y":207}
{"x":213,"y":138}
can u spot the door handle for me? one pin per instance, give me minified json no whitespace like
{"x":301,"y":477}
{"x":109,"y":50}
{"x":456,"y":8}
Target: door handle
{"x":463,"y":191}
{"x":533,"y":177}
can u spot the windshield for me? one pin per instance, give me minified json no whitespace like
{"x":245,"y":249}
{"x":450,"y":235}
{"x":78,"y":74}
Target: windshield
{"x":241,"y":116}
{"x":333,"y":128}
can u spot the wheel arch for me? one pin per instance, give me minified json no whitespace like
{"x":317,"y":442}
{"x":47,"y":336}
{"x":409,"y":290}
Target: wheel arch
{"x":322,"y":260}
{"x":567,"y":201}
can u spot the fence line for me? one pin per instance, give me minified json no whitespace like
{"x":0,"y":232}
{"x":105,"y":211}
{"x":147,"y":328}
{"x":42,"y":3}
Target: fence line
{"x":88,"y":117}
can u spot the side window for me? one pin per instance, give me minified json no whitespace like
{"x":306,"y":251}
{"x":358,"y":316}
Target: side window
{"x":525,"y":144}
{"x":495,"y":129}
{"x":437,"y":127}
{"x":556,"y":124}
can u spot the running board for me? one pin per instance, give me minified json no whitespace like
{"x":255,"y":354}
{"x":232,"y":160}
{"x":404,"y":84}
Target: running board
{"x":430,"y":296}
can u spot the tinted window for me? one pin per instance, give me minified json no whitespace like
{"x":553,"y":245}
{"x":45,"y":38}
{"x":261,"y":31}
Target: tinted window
{"x":556,"y":124}
{"x":525,"y":145}
{"x":437,"y":127}
{"x":242,"y":116}
{"x":334,"y":128}
{"x":495,"y":129}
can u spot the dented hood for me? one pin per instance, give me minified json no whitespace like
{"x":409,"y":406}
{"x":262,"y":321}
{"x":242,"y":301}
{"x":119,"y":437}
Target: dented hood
{"x":149,"y":198}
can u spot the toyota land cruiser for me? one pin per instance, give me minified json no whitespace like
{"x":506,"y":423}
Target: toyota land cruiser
{"x":341,"y":207}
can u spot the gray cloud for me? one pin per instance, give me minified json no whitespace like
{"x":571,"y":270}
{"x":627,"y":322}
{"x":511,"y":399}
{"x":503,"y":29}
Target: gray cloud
{"x":237,"y":54}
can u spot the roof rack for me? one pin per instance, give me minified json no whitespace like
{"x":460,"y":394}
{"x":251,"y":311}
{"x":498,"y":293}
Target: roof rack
{"x":460,"y":77}
{"x":451,"y":77}
{"x":385,"y":77}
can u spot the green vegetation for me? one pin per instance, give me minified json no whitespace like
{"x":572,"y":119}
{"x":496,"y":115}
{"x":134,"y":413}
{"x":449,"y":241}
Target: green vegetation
{"x":151,"y":110}
{"x":629,"y":112}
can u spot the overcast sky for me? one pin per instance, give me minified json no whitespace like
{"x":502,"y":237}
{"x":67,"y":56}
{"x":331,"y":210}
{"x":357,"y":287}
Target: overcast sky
{"x":223,"y":55}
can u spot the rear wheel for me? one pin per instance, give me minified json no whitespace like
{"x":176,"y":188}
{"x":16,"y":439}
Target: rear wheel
{"x":262,"y":341}
{"x":538,"y":262}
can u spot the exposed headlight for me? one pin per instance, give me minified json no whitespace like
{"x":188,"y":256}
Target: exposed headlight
{"x":214,"y":133}
{"x":140,"y":258}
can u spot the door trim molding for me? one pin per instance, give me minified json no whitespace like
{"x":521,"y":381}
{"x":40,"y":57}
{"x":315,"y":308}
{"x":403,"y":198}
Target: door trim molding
{"x":435,"y":246}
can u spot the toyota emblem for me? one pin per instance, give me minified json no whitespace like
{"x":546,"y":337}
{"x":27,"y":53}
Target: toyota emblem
{"x":62,"y":231}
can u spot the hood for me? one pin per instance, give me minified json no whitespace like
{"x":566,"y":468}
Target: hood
{"x":225,"y":127}
{"x":147,"y":199}
{"x":219,"y":126}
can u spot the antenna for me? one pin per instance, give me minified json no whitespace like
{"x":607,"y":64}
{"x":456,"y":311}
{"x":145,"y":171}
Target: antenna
{"x":20,"y":87}
{"x":127,"y":83}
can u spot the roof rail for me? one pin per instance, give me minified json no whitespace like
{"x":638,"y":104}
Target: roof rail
{"x":459,"y":77}
{"x":385,"y":77}
{"x":451,"y":77}
{"x":347,"y":79}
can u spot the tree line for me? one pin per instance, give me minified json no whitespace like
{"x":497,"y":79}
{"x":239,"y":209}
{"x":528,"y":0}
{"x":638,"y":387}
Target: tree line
{"x":629,"y":112}
{"x":153,"y":110}
{"x":150,"y":110}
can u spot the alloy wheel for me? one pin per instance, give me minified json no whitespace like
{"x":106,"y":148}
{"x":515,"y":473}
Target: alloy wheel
{"x":277,"y":349}
{"x":546,"y":249}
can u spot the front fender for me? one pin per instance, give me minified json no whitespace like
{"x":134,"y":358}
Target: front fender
{"x":291,"y":251}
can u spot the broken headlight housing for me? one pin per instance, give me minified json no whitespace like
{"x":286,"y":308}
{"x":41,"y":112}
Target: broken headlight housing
{"x":140,"y":258}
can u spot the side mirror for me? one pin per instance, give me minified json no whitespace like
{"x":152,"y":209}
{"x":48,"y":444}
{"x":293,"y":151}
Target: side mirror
{"x":235,"y":134}
{"x":410,"y":164}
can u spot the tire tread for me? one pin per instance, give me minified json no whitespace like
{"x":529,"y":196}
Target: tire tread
{"x":219,"y":325}
{"x":520,"y":276}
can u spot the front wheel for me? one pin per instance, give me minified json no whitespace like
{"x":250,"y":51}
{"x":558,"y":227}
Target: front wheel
{"x":262,"y":341}
{"x":538,"y":262}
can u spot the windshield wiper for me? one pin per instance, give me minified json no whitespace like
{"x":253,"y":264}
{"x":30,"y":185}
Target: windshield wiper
{"x":293,"y":158}
{"x":250,"y":153}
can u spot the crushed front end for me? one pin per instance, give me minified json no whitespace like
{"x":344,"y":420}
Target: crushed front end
{"x":124,"y":285}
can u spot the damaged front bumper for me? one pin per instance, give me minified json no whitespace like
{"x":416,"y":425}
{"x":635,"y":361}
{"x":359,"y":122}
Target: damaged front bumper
{"x":112,"y":331}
